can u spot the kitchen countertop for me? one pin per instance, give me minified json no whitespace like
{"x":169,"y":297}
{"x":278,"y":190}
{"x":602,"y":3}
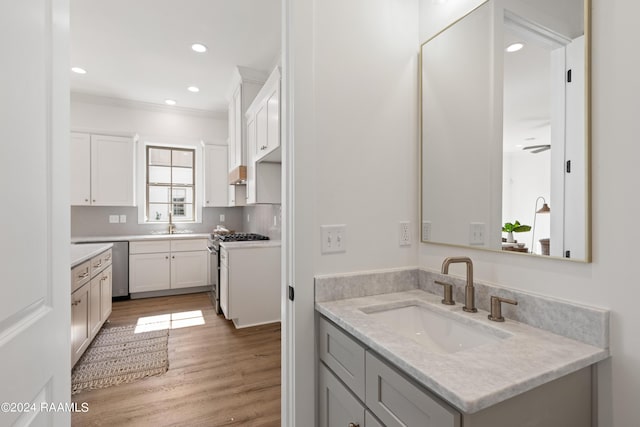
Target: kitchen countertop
{"x":82,"y":253}
{"x":138,"y":237}
{"x":251,"y":244}
{"x":472,"y":379}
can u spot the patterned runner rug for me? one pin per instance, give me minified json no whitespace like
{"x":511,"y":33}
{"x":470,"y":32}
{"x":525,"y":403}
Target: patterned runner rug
{"x":118,"y":355}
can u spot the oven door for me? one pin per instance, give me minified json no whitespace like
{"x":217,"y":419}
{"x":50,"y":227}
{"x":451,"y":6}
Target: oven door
{"x":214,"y":275}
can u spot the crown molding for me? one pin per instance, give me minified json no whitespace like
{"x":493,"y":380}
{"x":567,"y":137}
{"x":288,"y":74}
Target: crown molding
{"x":91,"y":98}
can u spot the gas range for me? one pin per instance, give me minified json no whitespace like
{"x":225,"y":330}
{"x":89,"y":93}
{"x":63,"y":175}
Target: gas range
{"x":239,"y":237}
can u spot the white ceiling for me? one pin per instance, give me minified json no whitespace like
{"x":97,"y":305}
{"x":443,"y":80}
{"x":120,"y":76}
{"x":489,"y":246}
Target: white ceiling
{"x":140,"y":50}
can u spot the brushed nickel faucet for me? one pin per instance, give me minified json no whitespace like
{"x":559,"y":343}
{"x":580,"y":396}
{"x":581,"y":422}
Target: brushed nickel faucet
{"x":172,"y":226}
{"x":469,"y":290}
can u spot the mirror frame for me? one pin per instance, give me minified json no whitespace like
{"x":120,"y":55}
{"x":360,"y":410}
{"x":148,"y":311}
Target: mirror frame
{"x":587,"y":142}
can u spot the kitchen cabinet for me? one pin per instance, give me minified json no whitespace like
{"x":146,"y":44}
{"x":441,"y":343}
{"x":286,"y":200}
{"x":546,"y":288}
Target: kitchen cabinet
{"x":102,"y":170}
{"x":244,"y":87}
{"x":250,"y":283}
{"x":237,"y":195}
{"x":263,"y":142}
{"x":392,"y":398}
{"x":161,"y":265}
{"x":216,"y":186}
{"x":90,"y":301}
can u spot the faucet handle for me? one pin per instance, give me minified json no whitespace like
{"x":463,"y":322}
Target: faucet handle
{"x":496,"y":308}
{"x":448,"y":292}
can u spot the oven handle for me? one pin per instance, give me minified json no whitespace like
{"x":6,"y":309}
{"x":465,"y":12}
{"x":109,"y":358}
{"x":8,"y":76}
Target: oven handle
{"x":212,"y":250}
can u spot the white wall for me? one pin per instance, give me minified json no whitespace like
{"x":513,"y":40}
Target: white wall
{"x":610,"y":280}
{"x":351,"y":73}
{"x":103,"y":115}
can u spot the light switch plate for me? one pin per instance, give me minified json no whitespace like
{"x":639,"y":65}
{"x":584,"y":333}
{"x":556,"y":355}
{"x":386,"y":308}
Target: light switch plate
{"x":476,"y":233}
{"x":221,"y":217}
{"x":426,"y":230}
{"x":404,"y":237}
{"x":123,"y":219}
{"x":333,"y":238}
{"x":114,"y":219}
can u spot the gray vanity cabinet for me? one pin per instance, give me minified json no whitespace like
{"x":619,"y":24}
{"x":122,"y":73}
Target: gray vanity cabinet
{"x":400,"y":403}
{"x":337,"y":406}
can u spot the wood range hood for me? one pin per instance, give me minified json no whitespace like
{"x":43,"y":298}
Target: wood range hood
{"x":238,"y":176}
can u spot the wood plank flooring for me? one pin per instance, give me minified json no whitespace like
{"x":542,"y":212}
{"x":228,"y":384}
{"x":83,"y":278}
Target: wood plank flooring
{"x":218,"y":375}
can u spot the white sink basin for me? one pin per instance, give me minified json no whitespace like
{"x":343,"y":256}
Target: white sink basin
{"x":434,"y":331}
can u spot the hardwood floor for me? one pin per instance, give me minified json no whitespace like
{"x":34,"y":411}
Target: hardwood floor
{"x":218,"y":375}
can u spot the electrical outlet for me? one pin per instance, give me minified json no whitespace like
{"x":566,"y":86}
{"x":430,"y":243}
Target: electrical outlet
{"x":426,"y":230}
{"x":114,"y":219}
{"x":123,"y":219}
{"x":476,"y":233}
{"x":248,"y":217}
{"x":221,"y":217}
{"x":405,"y":234}
{"x":334,"y":238}
{"x":275,"y":221}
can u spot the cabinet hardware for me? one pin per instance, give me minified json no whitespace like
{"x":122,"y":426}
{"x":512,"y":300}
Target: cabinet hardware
{"x":108,"y":257}
{"x":86,"y":200}
{"x":166,"y":257}
{"x":94,"y":200}
{"x":98,"y":264}
{"x":354,"y":424}
{"x":174,"y":257}
{"x":83,"y":275}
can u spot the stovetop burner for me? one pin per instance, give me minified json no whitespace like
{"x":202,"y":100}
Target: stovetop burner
{"x":240,"y":237}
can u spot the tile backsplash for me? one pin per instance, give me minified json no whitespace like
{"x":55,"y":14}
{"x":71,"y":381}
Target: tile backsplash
{"x":263,"y":219}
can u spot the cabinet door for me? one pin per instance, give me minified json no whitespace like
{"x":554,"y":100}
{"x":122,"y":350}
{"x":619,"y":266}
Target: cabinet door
{"x":237,"y":195}
{"x":149,"y":272}
{"x":80,"y":169}
{"x":337,"y":406}
{"x":251,"y":166}
{"x":399,"y":403}
{"x":112,"y":166}
{"x":80,"y":333}
{"x":189,"y":269}
{"x":216,"y":175}
{"x":105,"y":293}
{"x":273,"y":119}
{"x":261,"y":132}
{"x":224,"y":284}
{"x":95,"y":305}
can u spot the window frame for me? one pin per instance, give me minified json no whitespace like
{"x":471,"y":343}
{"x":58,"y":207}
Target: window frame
{"x":170,"y":186}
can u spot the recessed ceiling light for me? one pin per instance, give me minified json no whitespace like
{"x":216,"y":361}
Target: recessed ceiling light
{"x":514,"y":47}
{"x":200,"y":48}
{"x":78,"y":70}
{"x":170,"y":102}
{"x":193,"y":89}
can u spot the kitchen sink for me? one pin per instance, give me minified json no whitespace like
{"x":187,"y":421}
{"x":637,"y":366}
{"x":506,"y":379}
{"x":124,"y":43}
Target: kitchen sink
{"x":436,"y":332}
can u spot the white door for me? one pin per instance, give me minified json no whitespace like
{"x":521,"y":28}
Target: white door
{"x":35,"y":308}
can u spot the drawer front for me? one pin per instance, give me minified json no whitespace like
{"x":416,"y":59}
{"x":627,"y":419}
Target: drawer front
{"x":343,"y":355}
{"x":100,"y":262}
{"x":80,"y":275}
{"x":337,"y":406}
{"x":188,"y":245}
{"x":397,"y":402}
{"x":151,"y":247}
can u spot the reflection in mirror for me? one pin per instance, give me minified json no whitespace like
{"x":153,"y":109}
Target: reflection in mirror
{"x":503,"y":120}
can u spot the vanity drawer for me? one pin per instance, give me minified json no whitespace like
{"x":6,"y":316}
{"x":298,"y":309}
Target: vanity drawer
{"x":80,"y":274}
{"x":397,"y":402}
{"x":343,"y":355}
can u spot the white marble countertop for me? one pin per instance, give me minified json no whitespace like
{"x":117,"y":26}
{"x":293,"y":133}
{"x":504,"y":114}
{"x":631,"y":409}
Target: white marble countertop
{"x":138,"y":237}
{"x":81,"y":253}
{"x":472,"y":379}
{"x":251,"y":244}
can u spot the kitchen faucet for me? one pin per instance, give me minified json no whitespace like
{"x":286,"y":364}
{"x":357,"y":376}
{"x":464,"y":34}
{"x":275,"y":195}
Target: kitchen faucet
{"x":469,"y":290}
{"x":172,"y":226}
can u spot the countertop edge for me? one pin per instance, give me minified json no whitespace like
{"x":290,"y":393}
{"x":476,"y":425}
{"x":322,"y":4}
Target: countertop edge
{"x":479,"y":403}
{"x":82,"y":253}
{"x":139,"y":237}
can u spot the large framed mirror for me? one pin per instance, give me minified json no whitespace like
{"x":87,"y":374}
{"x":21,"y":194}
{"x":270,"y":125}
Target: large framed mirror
{"x":505,"y":129}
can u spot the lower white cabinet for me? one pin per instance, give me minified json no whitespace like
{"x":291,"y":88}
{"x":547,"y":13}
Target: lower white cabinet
{"x":250,"y":284}
{"x":90,"y":301}
{"x":167,"y":264}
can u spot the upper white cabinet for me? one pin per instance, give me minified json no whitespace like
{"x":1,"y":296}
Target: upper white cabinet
{"x":263,"y":143}
{"x":264,"y":112}
{"x":244,"y":88}
{"x":102,"y":170}
{"x":216,"y":188}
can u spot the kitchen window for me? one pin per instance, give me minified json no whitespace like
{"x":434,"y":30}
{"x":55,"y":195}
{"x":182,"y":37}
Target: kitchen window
{"x":170,"y":184}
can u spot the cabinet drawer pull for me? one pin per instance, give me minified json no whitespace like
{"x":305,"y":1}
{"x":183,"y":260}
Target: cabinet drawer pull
{"x":166,"y":257}
{"x":98,"y":264}
{"x":75,"y":303}
{"x":83,"y":275}
{"x":108,"y":257}
{"x":354,"y":424}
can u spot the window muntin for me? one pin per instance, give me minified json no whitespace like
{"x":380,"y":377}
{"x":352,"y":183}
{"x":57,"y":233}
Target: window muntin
{"x":170,"y":184}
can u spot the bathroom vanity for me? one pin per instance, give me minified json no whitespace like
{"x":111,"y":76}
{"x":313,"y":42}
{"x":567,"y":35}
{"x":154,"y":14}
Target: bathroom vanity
{"x":403,"y":358}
